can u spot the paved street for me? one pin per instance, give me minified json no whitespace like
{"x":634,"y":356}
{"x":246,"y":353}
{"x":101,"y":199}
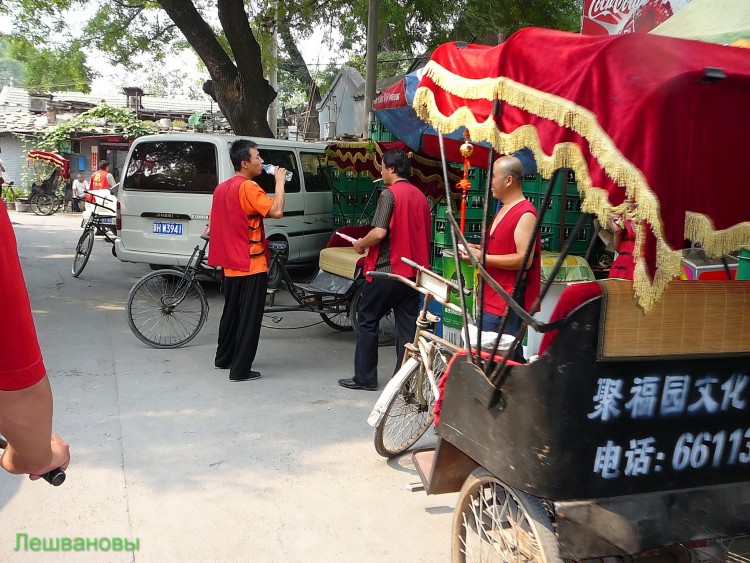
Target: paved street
{"x":167,"y":451}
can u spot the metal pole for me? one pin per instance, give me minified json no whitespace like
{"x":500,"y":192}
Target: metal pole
{"x":371,"y":63}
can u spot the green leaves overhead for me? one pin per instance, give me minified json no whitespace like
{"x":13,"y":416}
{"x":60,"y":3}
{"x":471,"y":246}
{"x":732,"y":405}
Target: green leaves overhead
{"x":100,"y":116}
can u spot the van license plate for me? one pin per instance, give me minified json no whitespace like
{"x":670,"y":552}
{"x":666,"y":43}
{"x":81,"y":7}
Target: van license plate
{"x":107,"y":220}
{"x":167,"y":228}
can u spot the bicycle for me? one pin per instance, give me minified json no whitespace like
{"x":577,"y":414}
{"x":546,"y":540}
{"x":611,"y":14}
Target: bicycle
{"x":167,"y":308}
{"x":404,"y":410}
{"x":95,"y":223}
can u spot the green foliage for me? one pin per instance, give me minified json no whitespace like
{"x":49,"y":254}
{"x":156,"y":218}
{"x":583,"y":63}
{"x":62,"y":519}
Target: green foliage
{"x":44,"y":70}
{"x":127,"y":30}
{"x":103,"y":114}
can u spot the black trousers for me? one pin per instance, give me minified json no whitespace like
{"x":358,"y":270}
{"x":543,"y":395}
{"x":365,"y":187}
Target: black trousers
{"x":239,"y":328}
{"x":378,"y":297}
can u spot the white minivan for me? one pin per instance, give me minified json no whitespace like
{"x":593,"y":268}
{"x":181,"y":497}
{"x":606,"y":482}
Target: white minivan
{"x":168,"y":180}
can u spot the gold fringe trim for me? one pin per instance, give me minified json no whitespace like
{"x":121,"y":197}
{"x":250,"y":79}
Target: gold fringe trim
{"x":576,"y":118}
{"x":350,"y":159}
{"x":700,"y":228}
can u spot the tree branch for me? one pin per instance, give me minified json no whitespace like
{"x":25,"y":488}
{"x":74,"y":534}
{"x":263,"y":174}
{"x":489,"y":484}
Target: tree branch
{"x":200,"y":36}
{"x":236,"y":25}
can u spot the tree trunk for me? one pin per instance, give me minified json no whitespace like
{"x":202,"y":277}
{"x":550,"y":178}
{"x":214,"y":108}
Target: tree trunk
{"x":238,"y":87}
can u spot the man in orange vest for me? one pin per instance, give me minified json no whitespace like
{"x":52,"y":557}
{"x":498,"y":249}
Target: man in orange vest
{"x":239,"y":246}
{"x":101,"y":179}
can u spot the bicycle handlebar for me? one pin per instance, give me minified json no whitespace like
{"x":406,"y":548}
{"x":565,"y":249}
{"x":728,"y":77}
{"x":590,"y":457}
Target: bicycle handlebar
{"x":424,"y":291}
{"x":97,"y":204}
{"x":56,"y":477}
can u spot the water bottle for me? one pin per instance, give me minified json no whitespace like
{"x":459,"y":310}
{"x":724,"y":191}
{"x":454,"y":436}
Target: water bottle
{"x":271,"y":169}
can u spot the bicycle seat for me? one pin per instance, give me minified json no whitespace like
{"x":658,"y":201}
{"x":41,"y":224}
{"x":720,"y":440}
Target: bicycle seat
{"x":276,"y":246}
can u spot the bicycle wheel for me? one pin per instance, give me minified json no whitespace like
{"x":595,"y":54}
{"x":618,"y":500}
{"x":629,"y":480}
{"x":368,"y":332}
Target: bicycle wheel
{"x":410,"y":411}
{"x":386,"y":328}
{"x":495,"y":523}
{"x":83,"y":251}
{"x":166,"y":309}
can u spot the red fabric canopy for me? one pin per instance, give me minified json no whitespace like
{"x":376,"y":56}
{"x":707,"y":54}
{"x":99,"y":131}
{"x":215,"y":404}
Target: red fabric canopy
{"x":634,"y":115}
{"x":52,"y":158}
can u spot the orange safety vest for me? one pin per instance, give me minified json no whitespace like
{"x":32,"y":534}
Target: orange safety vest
{"x":98,"y":181}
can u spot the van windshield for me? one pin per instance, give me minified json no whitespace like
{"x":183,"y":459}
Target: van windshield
{"x":172,"y":166}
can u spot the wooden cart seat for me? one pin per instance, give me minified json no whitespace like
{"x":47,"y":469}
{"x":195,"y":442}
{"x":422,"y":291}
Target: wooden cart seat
{"x":342,"y":261}
{"x":692,"y":319}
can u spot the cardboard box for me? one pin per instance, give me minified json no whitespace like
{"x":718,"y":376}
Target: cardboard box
{"x":697,"y":266}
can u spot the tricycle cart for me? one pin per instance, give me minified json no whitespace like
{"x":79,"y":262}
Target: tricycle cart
{"x":628,"y":437}
{"x":51,"y":173}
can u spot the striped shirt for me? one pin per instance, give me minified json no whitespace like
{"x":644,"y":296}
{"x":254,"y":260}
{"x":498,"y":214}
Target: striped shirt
{"x":382,"y":219}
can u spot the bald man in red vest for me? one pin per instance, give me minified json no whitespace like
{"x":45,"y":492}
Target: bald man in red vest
{"x":401,"y":229}
{"x":511,"y":232}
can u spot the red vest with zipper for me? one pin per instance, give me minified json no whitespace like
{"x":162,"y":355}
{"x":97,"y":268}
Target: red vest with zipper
{"x":409,"y":231}
{"x":230,"y":239}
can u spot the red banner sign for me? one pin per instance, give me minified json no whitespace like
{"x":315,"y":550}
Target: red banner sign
{"x":614,"y":17}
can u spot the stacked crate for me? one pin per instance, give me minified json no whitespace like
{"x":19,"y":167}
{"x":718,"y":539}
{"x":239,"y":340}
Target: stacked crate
{"x":441,"y":257}
{"x":355,"y":197}
{"x":559,"y":219}
{"x":378,"y":132}
{"x":441,"y":230}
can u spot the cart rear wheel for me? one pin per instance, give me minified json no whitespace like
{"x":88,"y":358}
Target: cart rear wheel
{"x":42,"y":204}
{"x":339,"y":321}
{"x":495,"y":523}
{"x":387,"y":327}
{"x":410,"y":411}
{"x":166,"y":309}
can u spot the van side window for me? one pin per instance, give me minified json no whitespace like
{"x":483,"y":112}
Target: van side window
{"x":315,"y":172}
{"x":172,"y":166}
{"x":288,"y":160}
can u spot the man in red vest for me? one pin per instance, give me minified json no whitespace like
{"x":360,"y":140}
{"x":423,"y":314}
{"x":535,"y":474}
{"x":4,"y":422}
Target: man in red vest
{"x":401,"y":228}
{"x":511,"y":233}
{"x":100,"y":180}
{"x":238,"y":245}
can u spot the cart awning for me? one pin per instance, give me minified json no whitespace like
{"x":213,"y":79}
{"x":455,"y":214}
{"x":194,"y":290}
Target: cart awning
{"x":638,"y":117}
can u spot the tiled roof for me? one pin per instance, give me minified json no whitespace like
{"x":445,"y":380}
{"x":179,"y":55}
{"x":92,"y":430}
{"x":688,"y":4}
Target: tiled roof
{"x":15,"y":116}
{"x":16,"y":119}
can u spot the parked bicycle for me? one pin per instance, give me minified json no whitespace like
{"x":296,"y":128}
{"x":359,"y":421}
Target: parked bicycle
{"x":95,"y":224}
{"x":404,"y":411}
{"x":167,"y":308}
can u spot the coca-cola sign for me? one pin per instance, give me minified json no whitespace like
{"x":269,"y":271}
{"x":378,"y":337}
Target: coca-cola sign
{"x":613,"y":17}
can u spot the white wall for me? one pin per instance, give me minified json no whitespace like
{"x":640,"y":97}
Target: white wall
{"x":14,"y":158}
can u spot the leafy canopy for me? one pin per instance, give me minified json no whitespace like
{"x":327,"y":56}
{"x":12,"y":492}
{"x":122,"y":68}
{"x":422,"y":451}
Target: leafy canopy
{"x":102,"y":115}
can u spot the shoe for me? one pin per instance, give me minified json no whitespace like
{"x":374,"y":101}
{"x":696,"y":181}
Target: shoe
{"x":351,"y":384}
{"x":249,"y":377}
{"x":217,"y":366}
